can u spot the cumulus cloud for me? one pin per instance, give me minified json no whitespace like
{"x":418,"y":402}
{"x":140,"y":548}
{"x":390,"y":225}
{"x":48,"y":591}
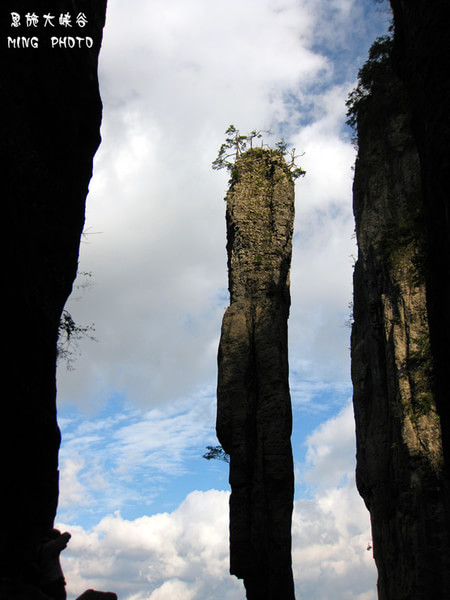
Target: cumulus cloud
{"x":330,"y":539}
{"x":184,"y":553}
{"x":331,"y":530}
{"x":180,"y":554}
{"x":328,"y":450}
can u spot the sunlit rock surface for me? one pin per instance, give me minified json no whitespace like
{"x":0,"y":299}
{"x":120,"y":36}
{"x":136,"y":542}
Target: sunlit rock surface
{"x":400,"y":420}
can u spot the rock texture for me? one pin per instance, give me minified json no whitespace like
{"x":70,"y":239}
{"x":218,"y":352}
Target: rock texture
{"x":421,"y":59}
{"x":400,"y":423}
{"x":254,"y":419}
{"x":51,"y":112}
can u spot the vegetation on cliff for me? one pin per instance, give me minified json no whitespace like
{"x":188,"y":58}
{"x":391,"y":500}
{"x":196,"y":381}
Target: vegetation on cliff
{"x":372,"y":82}
{"x":236,"y":145}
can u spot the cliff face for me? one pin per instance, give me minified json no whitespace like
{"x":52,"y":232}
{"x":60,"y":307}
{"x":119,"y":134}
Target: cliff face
{"x":254,"y":419}
{"x":51,"y":112}
{"x":401,"y":460}
{"x":421,"y":59}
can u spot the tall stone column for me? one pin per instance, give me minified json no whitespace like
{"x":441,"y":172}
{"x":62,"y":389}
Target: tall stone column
{"x":254,"y":417}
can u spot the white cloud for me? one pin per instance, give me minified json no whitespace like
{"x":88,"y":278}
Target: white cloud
{"x":330,"y":557}
{"x":322,"y":264}
{"x":173,"y":76}
{"x":74,"y":491}
{"x":124,"y":461}
{"x":182,"y":552}
{"x":331,"y":451}
{"x":185,"y":552}
{"x":331,"y":531}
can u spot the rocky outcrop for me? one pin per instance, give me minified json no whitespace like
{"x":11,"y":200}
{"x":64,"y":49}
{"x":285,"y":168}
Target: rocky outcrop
{"x":51,"y":112}
{"x":254,"y":417}
{"x":401,"y":459}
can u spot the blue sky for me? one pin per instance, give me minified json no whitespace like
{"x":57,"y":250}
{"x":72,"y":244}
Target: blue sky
{"x":148,"y":514}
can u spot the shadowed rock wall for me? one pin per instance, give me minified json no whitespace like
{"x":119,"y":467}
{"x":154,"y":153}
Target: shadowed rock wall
{"x":400,"y":424}
{"x":51,"y":113}
{"x":254,"y":419}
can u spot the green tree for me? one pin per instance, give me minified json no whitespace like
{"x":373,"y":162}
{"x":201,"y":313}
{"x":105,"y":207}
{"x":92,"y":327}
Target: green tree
{"x":70,"y":334}
{"x":372,"y":75}
{"x":216,"y":453}
{"x":237,"y":144}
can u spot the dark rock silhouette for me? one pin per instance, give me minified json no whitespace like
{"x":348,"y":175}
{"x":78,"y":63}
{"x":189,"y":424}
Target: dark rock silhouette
{"x":94,"y":595}
{"x":400,"y":332}
{"x":51,"y":578}
{"x":254,"y":417}
{"x":51,"y":113}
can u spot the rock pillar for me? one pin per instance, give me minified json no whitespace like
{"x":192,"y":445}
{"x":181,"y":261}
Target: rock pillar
{"x":254,"y":418}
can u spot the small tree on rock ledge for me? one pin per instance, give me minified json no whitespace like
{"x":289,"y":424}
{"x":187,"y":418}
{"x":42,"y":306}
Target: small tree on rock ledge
{"x":237,"y":144}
